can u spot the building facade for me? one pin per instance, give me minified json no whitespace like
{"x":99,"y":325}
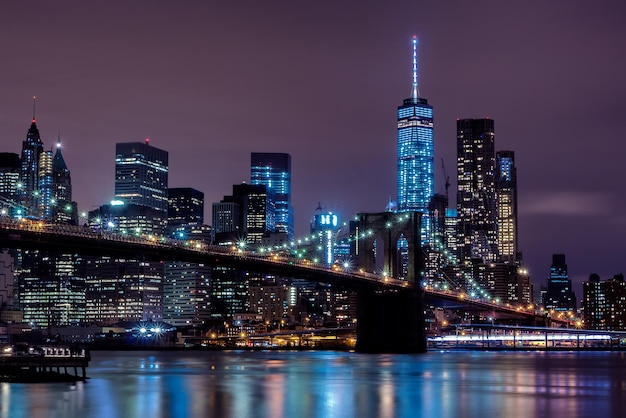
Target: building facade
{"x":416,"y":153}
{"x":559,"y":296}
{"x":273,"y":170}
{"x":476,"y":195}
{"x":141,"y":174}
{"x":28,"y":186}
{"x":506,"y":191}
{"x":605,"y":303}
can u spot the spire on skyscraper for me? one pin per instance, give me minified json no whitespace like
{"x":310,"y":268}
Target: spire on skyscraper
{"x":414,"y":90}
{"x":34,"y":102}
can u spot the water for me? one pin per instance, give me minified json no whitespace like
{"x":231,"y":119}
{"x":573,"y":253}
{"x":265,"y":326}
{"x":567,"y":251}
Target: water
{"x":331,"y":384}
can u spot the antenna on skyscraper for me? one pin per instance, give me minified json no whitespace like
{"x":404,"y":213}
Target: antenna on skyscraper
{"x":414,"y":90}
{"x":34,"y":101}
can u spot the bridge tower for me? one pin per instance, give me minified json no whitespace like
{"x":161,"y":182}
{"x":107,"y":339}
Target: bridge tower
{"x":390,"y":321}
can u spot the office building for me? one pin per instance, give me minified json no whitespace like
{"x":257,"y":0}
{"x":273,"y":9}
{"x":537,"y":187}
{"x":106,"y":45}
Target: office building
{"x":185,"y":206}
{"x":255,"y":206}
{"x":141,"y":172}
{"x":416,"y":153}
{"x":604,"y":303}
{"x":273,"y":170}
{"x":476,"y":195}
{"x":559,"y":296}
{"x":127,"y":219}
{"x":118,"y":289}
{"x":28,"y":186}
{"x":63,"y":209}
{"x":506,"y":192}
{"x":227,"y":226}
{"x":10,"y":168}
{"x":51,"y":288}
{"x":186,"y":293}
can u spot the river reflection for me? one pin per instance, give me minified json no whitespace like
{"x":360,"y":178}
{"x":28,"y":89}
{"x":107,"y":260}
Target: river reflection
{"x":331,"y":384}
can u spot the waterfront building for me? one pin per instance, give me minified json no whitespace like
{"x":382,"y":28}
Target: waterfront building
{"x":141,"y":174}
{"x":269,"y":301}
{"x":604,"y":303}
{"x":229,"y":292}
{"x":186,"y":293}
{"x":506,"y":192}
{"x":119,"y":289}
{"x":273,"y":170}
{"x":476,"y":195}
{"x":51,"y":288}
{"x":559,"y":296}
{"x":415,"y":153}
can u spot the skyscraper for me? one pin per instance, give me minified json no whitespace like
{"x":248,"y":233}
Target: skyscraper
{"x":185,"y":206}
{"x":141,"y":174}
{"x":9,"y":178}
{"x":63,"y":208}
{"x":559,"y":296}
{"x":476,"y":196}
{"x":32,"y":148}
{"x":273,"y":170}
{"x":415,"y":153}
{"x":605,"y":303}
{"x":506,"y":191}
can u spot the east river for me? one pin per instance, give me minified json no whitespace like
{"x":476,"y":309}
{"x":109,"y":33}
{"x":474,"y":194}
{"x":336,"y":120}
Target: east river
{"x":331,"y":384}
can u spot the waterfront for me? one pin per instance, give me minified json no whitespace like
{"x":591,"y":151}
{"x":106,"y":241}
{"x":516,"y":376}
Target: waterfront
{"x":331,"y":384}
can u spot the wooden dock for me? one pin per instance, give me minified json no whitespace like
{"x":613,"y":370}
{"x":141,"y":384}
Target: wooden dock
{"x":49,"y":364}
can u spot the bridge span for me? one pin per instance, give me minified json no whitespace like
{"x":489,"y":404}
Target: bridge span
{"x":380,"y":298}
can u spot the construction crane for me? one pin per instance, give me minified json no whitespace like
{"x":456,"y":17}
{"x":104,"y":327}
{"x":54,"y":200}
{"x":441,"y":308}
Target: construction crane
{"x":445,"y":175}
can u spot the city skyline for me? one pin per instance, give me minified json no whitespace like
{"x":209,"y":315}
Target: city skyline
{"x":210,"y":100}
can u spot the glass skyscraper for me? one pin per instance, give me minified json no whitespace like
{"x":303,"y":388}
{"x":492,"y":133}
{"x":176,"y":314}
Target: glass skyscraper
{"x":416,"y":153}
{"x":141,"y":174}
{"x":32,"y":148}
{"x":273,"y":170}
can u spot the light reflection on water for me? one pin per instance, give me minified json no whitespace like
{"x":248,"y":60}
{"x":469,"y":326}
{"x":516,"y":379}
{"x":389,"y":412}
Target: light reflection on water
{"x":331,"y":384}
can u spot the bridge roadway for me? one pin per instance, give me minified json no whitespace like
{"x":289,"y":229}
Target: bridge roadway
{"x":33,"y":234}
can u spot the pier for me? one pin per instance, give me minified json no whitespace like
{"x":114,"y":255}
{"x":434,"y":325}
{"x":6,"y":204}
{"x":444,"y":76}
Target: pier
{"x":44,"y":364}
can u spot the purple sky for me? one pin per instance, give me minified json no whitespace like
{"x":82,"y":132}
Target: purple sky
{"x":321,"y":80}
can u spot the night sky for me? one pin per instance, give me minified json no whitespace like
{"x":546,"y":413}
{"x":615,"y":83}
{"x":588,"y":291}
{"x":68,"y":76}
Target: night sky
{"x":212,"y":82}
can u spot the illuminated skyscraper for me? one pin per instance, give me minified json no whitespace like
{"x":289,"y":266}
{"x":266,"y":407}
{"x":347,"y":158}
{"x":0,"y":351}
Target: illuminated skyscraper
{"x":506,"y":191}
{"x":141,"y":174}
{"x":476,"y":196}
{"x":63,"y":208}
{"x":415,"y":153}
{"x":9,"y":178}
{"x":32,"y":148}
{"x":274,"y":171}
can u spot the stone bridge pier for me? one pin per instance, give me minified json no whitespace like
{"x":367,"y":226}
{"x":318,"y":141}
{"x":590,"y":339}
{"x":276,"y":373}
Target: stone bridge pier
{"x":390,"y":321}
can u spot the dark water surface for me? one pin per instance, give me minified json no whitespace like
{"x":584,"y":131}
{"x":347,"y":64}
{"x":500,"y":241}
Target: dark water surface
{"x":331,"y":384}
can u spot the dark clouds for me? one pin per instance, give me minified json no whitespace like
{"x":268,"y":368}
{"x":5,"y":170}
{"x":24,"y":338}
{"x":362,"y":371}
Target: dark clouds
{"x":211,"y":83}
